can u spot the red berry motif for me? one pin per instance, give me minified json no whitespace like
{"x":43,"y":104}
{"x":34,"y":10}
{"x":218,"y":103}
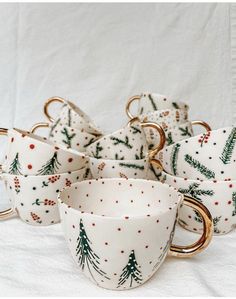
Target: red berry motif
{"x":35,"y":217}
{"x":68,"y":183}
{"x":204,"y":138}
{"x":17,"y":184}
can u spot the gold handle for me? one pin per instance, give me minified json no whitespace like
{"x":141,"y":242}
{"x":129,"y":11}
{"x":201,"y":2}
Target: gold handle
{"x":127,"y":108}
{"x":39,"y":125}
{"x":201,"y":123}
{"x":160,"y":131}
{"x":50,"y":101}
{"x":7,"y":213}
{"x":157,"y":163}
{"x":4,"y":132}
{"x":203,"y":242}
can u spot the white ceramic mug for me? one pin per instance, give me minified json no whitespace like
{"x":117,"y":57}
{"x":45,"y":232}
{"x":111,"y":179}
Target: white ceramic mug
{"x":67,"y":136}
{"x":119,"y":231}
{"x":29,"y":154}
{"x":208,"y":156}
{"x":149,"y":102}
{"x":72,"y":116}
{"x":34,"y":198}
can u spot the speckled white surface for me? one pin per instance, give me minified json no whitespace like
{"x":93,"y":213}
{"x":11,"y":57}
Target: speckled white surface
{"x":98,"y":55}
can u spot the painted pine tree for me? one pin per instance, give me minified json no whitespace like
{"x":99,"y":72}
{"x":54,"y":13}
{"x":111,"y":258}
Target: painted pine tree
{"x":131,"y":165}
{"x":174,"y":158}
{"x":68,"y":137}
{"x":141,"y":155}
{"x":215,"y":222}
{"x":87,"y":257}
{"x":130,"y":272}
{"x":197,"y":217}
{"x":117,"y":157}
{"x":169,"y":139}
{"x":53,"y":127}
{"x":120,"y":141}
{"x":200,"y":167}
{"x":229,"y":147}
{"x":185,"y":132}
{"x":135,"y":130}
{"x":99,"y":149}
{"x":234,"y":203}
{"x":91,"y":140}
{"x":194,"y":191}
{"x":69,"y":117}
{"x":15,"y":167}
{"x":51,"y":166}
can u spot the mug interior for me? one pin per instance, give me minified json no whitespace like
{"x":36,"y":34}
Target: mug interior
{"x":121,"y":198}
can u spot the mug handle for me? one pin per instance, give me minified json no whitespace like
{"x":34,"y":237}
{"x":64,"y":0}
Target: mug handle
{"x":5,"y":214}
{"x":37,"y":126}
{"x":47,"y":104}
{"x":129,"y":102}
{"x":203,"y":242}
{"x":201,"y":123}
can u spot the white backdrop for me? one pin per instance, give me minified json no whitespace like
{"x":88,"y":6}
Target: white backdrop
{"x":98,"y":55}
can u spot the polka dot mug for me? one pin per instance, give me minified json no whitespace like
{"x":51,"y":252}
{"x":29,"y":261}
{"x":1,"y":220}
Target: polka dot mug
{"x":29,"y":154}
{"x":119,"y":231}
{"x":34,"y":198}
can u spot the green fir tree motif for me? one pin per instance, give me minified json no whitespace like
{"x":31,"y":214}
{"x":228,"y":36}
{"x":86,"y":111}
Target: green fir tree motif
{"x":185,"y":132}
{"x":15,"y":167}
{"x":87,"y":172}
{"x":174,"y":158}
{"x":215,"y":222}
{"x":51,"y":166}
{"x":120,"y":141}
{"x":194,"y":191}
{"x":87,"y":258}
{"x":200,"y":167}
{"x":169,"y":139}
{"x":157,"y":176}
{"x":175,"y":105}
{"x":234,"y":203}
{"x":131,"y":165}
{"x":91,"y":140}
{"x":119,"y":158}
{"x":53,"y":127}
{"x":135,"y":130}
{"x":197,"y":217}
{"x":130,"y":273}
{"x":229,"y":147}
{"x":99,"y":149}
{"x":68,"y":137}
{"x":69,"y":117}
{"x":152,"y":102}
{"x":141,"y":155}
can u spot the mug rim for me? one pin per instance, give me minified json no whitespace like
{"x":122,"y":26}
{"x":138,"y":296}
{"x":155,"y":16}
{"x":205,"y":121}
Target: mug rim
{"x":124,"y":160}
{"x":173,"y":206}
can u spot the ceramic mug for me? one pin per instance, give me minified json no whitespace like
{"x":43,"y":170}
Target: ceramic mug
{"x":34,"y":198}
{"x":119,"y":231}
{"x":68,"y":136}
{"x":174,"y":132}
{"x":29,"y":154}
{"x":103,"y":168}
{"x":218,"y":196}
{"x":72,"y":116}
{"x":149,"y":102}
{"x":128,"y":143}
{"x":207,"y":156}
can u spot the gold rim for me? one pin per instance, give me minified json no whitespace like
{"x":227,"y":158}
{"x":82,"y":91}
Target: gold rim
{"x":130,"y":101}
{"x":37,"y":126}
{"x":203,"y":242}
{"x":201,"y":123}
{"x":160,"y":131}
{"x":48,"y":103}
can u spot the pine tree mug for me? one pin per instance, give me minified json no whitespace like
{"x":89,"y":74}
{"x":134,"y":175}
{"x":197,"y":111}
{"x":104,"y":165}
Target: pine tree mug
{"x":72,"y":116}
{"x":119,"y":231}
{"x":30,"y":154}
{"x":128,"y":143}
{"x":67,"y":136}
{"x":34,"y":198}
{"x":174,"y":133}
{"x":208,"y":156}
{"x":218,"y":196}
{"x":149,"y":102}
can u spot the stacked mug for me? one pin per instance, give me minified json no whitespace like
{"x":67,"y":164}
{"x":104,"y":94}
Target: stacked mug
{"x":124,"y":153}
{"x":34,"y":171}
{"x":204,"y":167}
{"x":72,"y":128}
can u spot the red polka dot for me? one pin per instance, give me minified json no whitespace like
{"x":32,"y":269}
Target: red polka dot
{"x":56,"y":148}
{"x":29,"y":166}
{"x":146,"y":246}
{"x":216,"y":203}
{"x":230,"y":186}
{"x":189,"y":216}
{"x":70,"y":160}
{"x":32,"y":146}
{"x":226,"y":219}
{"x":12,"y":139}
{"x":126,"y":217}
{"x":157,"y":221}
{"x":93,"y":224}
{"x":122,"y":251}
{"x":194,"y":229}
{"x":139,"y":231}
{"x":73,"y":226}
{"x":106,"y":243}
{"x":105,"y":260}
{"x":229,"y":202}
{"x":119,"y":229}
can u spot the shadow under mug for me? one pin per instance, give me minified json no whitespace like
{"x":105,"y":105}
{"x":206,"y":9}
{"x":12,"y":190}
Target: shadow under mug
{"x":119,"y":231}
